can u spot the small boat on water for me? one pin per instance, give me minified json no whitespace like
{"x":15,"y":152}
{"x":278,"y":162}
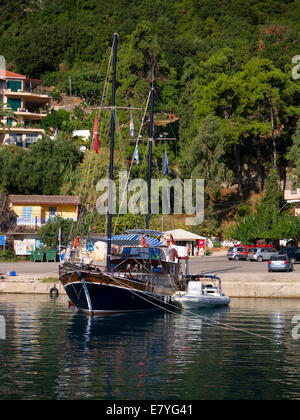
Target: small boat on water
{"x":202,"y":291}
{"x":141,"y":278}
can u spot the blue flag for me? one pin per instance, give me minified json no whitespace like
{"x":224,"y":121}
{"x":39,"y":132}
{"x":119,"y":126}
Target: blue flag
{"x":136,"y":154}
{"x":166,"y":164}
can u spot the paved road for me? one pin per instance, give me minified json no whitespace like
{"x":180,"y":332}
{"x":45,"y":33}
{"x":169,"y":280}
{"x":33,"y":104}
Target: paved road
{"x":222,"y":264}
{"x":27,"y":268}
{"x":240,"y":270}
{"x":216,"y":265}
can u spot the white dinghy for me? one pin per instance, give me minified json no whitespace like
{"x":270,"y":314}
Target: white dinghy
{"x":202,"y":291}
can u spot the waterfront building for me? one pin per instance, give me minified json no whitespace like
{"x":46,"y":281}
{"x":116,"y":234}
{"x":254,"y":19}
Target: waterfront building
{"x":28,"y":100}
{"x":293,"y":196}
{"x":183,"y":238}
{"x":35,"y":210}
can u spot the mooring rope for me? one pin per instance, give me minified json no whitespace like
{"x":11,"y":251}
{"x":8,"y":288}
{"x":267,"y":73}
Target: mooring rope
{"x":209,"y":321}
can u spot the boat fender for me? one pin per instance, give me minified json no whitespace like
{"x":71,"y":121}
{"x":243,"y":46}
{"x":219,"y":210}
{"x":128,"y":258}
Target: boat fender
{"x":143,"y":242}
{"x":53,"y":292}
{"x":76,"y":242}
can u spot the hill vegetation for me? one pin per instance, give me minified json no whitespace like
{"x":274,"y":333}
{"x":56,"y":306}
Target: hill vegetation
{"x":223,"y":80}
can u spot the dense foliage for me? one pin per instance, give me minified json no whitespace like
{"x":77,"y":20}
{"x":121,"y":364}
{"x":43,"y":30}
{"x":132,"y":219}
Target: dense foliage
{"x":268,"y":222}
{"x":222,"y":75}
{"x":40,"y":170}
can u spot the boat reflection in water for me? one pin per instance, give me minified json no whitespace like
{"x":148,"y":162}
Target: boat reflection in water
{"x":126,"y":355}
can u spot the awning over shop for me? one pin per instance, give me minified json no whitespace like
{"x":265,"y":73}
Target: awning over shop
{"x":184,"y":235}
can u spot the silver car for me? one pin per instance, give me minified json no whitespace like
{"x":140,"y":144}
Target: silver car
{"x":261,"y":254}
{"x":234,"y":253}
{"x":280,"y":263}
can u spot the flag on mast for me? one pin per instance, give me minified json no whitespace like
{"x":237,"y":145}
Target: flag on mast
{"x":136,"y":154}
{"x":166,"y":164}
{"x":95,"y":135}
{"x":131,"y":126}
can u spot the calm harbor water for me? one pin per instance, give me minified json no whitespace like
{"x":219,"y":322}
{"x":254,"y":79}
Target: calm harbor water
{"x":245,"y":352}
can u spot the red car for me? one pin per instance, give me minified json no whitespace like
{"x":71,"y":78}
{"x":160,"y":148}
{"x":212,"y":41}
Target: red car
{"x":243,"y":254}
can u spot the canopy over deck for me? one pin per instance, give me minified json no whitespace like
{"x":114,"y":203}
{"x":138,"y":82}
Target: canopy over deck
{"x":131,"y":240}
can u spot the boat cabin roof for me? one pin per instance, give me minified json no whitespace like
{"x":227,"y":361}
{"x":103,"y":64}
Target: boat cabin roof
{"x":142,"y":253}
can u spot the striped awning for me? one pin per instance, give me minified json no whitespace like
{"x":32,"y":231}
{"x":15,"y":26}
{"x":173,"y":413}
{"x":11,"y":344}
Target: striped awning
{"x":131,"y":239}
{"x":148,"y":232}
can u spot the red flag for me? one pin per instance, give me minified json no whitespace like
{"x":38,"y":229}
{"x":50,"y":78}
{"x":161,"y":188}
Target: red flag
{"x":95,"y":136}
{"x":172,"y":239}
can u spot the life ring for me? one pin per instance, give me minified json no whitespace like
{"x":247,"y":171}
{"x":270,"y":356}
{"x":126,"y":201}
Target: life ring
{"x":53,"y":292}
{"x":173,"y":254}
{"x":143,"y":242}
{"x":76,"y":242}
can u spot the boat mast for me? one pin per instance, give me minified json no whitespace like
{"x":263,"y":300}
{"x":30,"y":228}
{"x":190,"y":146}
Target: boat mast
{"x":150,"y":154}
{"x":112,"y":144}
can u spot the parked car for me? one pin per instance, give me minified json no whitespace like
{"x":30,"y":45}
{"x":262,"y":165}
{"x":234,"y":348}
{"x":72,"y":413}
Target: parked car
{"x":243,"y":255}
{"x":280,"y":263}
{"x":251,"y":252}
{"x":261,"y":254}
{"x":293,"y":253}
{"x":236,"y":253}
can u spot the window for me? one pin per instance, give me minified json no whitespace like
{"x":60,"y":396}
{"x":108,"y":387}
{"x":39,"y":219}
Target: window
{"x":31,"y":138}
{"x":14,"y":85}
{"x":52,"y":212}
{"x":14,"y":103}
{"x":16,"y":139}
{"x":26,"y":214}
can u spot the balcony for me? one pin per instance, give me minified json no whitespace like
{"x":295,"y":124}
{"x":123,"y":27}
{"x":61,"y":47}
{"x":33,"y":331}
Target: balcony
{"x":32,"y":96}
{"x":23,"y":128}
{"x":31,"y":114}
{"x":292,"y":196}
{"x":34,"y":222}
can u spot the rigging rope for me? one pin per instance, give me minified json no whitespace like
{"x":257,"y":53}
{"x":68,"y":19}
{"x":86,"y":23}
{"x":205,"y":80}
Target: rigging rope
{"x":84,"y":196}
{"x":191,"y":312}
{"x":132,"y":161}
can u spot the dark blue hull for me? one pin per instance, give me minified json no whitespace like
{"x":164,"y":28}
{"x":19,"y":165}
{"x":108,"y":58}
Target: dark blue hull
{"x":100,"y":298}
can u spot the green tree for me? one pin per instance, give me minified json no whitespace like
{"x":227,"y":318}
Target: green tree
{"x":270,"y":101}
{"x":11,"y":159}
{"x":49,"y":232}
{"x":56,"y":120}
{"x":6,"y":113}
{"x":206,"y":156}
{"x":293,"y":155}
{"x":268,"y":222}
{"x":6,"y":213}
{"x":43,"y":169}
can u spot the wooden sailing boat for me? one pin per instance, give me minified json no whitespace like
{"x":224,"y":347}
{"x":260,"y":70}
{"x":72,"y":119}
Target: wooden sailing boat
{"x":144,"y":275}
